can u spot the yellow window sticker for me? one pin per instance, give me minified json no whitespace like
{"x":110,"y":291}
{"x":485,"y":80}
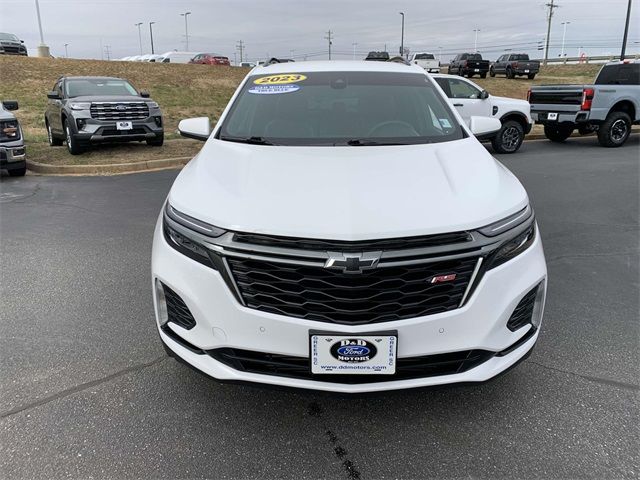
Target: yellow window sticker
{"x":280,"y":79}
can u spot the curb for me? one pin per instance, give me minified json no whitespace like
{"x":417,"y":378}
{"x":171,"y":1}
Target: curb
{"x":116,"y":168}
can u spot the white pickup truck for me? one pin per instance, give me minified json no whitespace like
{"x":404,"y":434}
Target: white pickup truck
{"x":426,"y":61}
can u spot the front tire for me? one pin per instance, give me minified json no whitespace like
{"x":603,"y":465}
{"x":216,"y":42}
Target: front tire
{"x":72,"y":143}
{"x":18,"y":172}
{"x":492,"y":72}
{"x":509,"y":138}
{"x":615,"y":130}
{"x":558,"y":133}
{"x":53,"y":140}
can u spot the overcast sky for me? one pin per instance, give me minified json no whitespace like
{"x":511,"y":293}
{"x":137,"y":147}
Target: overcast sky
{"x":288,"y":28}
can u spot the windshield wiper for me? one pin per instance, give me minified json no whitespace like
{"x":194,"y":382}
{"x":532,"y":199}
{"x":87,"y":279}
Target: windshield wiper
{"x":361,"y":142}
{"x":249,"y":140}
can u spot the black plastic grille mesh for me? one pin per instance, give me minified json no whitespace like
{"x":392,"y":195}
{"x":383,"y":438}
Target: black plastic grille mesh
{"x":177,"y":310}
{"x":119,"y":111}
{"x":522,"y":314}
{"x":326,"y":295}
{"x":298,"y":367}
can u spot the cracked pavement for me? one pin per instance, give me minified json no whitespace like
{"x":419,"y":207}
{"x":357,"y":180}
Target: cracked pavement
{"x":87,"y":391}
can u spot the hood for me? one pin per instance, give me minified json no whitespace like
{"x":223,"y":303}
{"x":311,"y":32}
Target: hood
{"x":511,"y":103}
{"x":109,"y":98}
{"x":347,"y":193}
{"x":6,"y":114}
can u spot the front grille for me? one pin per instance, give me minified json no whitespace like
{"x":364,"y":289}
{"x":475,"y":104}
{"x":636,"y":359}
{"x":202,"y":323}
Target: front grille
{"x":177,"y":310}
{"x":521,"y":316}
{"x":11,"y":49}
{"x":555,"y":97}
{"x":299,"y":367}
{"x":119,"y":110}
{"x":377,"y":295}
{"x":355,"y":246}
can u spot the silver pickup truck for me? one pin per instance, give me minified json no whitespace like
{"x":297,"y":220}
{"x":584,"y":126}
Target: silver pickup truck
{"x":609,"y":107}
{"x":12,"y":152}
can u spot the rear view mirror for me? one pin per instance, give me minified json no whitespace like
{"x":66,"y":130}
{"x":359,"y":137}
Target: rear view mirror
{"x":198,"y":128}
{"x":10,"y":104}
{"x":144,"y":93}
{"x":53,"y":95}
{"x":483,"y":127}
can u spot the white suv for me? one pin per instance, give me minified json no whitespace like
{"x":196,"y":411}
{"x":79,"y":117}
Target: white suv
{"x":472,"y":100}
{"x":342,"y":229}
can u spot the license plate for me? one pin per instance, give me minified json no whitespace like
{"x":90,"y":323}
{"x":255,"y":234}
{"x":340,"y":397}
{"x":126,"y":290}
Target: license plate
{"x":373,"y":353}
{"x":476,"y":69}
{"x":552,"y":116}
{"x":124,"y":125}
{"x":526,"y":71}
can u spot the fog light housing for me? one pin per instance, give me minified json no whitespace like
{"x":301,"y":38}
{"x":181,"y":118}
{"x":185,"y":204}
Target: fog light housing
{"x":161,"y":304}
{"x":81,"y":122}
{"x":158,"y":121}
{"x":538,"y":306}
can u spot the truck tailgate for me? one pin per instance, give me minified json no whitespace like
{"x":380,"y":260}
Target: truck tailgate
{"x":556,"y":95}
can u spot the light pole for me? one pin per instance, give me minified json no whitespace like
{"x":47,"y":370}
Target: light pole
{"x":151,"y":34}
{"x":402,"y":36}
{"x":564,"y":34}
{"x":186,"y":30}
{"x":354,"y":44}
{"x":475,"y":43}
{"x":626,"y":32}
{"x":66,"y":51}
{"x":43,"y":50}
{"x":439,"y":54}
{"x":139,"y":36}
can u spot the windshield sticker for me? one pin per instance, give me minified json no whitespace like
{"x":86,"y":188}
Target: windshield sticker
{"x":280,"y":79}
{"x":273,"y":89}
{"x":445,"y":123}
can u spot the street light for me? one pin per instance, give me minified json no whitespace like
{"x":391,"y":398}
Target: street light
{"x":402,"y":36}
{"x":186,"y":29}
{"x":139,"y":36}
{"x":66,"y":52}
{"x":43,"y":50}
{"x":564,"y":34}
{"x":151,"y":34}
{"x":354,"y":44}
{"x":475,"y":44}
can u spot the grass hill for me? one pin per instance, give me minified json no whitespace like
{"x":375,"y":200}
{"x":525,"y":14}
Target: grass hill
{"x":181,"y":90}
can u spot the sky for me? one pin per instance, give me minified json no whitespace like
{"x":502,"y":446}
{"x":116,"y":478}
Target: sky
{"x":297,"y":29}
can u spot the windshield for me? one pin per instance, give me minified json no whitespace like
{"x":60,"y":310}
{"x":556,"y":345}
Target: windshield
{"x":424,"y":56}
{"x":96,"y":86}
{"x":9,"y":36}
{"x":340,"y":108}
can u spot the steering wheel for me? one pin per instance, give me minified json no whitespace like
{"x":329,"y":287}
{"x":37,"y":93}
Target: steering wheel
{"x":410,"y":131}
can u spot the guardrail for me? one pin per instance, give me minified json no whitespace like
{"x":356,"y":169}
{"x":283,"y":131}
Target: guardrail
{"x":583,"y":59}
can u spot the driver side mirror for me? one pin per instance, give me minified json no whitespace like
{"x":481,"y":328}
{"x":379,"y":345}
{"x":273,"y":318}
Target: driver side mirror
{"x":10,"y":104}
{"x":53,"y":95}
{"x":144,"y":93}
{"x":484,"y":95}
{"x":198,"y":128}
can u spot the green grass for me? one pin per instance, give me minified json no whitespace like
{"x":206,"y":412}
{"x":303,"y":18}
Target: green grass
{"x":182,"y":91}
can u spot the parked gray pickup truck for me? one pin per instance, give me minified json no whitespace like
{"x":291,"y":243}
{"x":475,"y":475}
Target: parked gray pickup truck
{"x":609,"y":107}
{"x":12,"y":152}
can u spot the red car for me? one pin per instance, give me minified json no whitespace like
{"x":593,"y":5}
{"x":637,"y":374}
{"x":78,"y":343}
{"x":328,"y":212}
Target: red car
{"x":210,"y":59}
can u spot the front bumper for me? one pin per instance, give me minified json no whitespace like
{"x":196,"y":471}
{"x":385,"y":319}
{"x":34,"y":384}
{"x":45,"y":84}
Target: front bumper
{"x":541,"y":115}
{"x":221,"y":322}
{"x":91,"y":130}
{"x":14,"y":156}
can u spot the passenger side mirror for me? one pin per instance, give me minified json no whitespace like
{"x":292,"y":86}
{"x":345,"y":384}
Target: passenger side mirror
{"x":484,"y":95}
{"x":53,"y":95}
{"x":10,"y":104}
{"x":483,"y":127}
{"x":144,"y":93}
{"x":198,"y":128}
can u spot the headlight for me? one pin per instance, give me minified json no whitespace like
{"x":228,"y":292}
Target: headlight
{"x":80,"y":106}
{"x":189,"y":235}
{"x":153,"y":105}
{"x":524,"y":231}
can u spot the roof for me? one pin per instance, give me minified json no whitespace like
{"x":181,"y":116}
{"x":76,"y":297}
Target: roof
{"x":338,"y":66}
{"x":86,"y":77}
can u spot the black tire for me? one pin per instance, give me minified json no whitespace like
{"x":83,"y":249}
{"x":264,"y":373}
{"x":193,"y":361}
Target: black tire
{"x":558,"y":133}
{"x":509,"y":73}
{"x":483,"y":75}
{"x":157,"y":141}
{"x":460,"y":72}
{"x":53,"y":140}
{"x":72,"y":143}
{"x":615,"y":130}
{"x":509,"y":138}
{"x":492,"y":72}
{"x":531,"y":76}
{"x":18,"y":172}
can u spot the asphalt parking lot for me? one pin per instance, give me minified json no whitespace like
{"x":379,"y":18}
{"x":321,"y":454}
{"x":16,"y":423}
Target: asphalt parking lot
{"x":87,"y":390}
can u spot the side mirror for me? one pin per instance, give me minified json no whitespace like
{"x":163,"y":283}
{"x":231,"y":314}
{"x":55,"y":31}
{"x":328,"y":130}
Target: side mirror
{"x":484,"y":95}
{"x":53,"y":95}
{"x":10,"y":104}
{"x":483,"y":127}
{"x":144,"y":93}
{"x":198,"y":128}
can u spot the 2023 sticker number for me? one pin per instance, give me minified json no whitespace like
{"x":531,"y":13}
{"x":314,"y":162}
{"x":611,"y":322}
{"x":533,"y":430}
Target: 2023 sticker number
{"x":280,"y":79}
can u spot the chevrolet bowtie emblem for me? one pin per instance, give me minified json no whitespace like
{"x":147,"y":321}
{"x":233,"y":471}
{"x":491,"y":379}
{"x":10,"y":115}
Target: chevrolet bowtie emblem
{"x":353,"y":262}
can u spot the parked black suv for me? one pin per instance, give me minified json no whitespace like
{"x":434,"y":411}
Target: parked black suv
{"x":86,"y":110}
{"x":469,"y":64}
{"x":11,"y":45}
